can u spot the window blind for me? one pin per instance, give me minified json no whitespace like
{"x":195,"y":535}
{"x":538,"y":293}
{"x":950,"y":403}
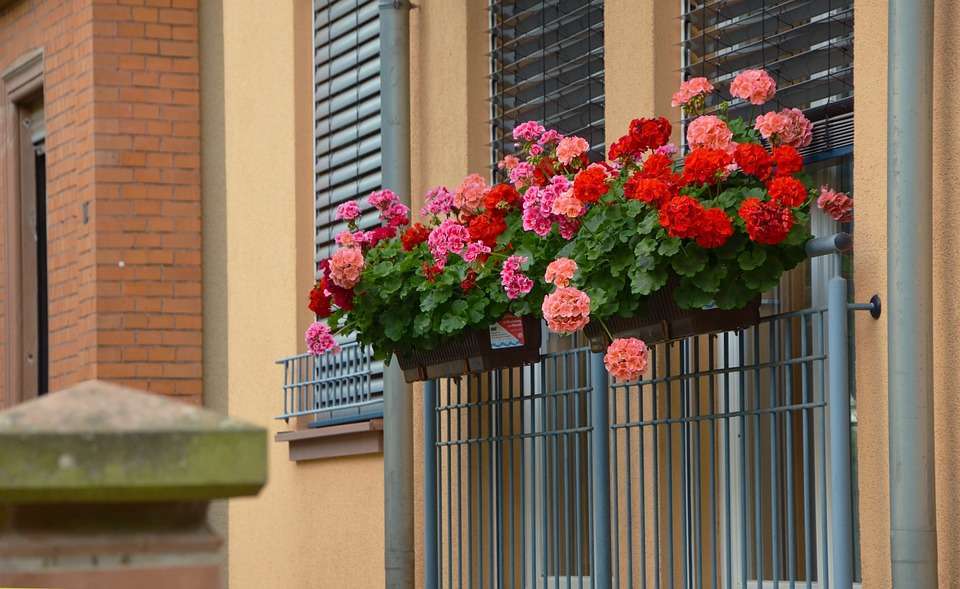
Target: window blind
{"x":806,"y":45}
{"x":547,"y":65}
{"x":347,"y":153}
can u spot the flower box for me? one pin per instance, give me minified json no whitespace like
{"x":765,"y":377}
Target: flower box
{"x":512,"y":341}
{"x":665,"y":321}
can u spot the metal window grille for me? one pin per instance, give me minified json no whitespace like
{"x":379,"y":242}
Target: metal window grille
{"x":806,"y":45}
{"x":547,"y":65}
{"x":348,"y":385}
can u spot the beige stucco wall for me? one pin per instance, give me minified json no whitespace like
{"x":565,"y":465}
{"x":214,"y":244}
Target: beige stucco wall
{"x":870,"y":277}
{"x":316,"y":524}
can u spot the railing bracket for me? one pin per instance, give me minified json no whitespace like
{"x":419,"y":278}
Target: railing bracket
{"x":873,"y":306}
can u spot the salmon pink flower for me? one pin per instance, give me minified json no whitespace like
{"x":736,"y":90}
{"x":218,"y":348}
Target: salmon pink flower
{"x":711,"y":132}
{"x":568,"y":205}
{"x":560,"y":272}
{"x":508,"y":162}
{"x":566,"y":310}
{"x":346,"y":265}
{"x":836,"y":204}
{"x":786,"y":127}
{"x":570,"y":148}
{"x":755,"y":86}
{"x":691,"y":89}
{"x":469,"y":195}
{"x":626,"y":358}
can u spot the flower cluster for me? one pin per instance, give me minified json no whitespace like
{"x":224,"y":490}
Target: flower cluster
{"x":626,"y":358}
{"x":514,"y":281}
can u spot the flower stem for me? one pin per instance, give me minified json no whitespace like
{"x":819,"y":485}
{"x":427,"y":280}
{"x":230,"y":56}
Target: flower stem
{"x":606,"y":329}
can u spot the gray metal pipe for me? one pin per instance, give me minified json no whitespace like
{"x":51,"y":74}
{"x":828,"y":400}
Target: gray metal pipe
{"x":913,"y":527}
{"x":600,"y":470}
{"x":841,"y":518}
{"x":397,"y":394}
{"x":431,"y":564}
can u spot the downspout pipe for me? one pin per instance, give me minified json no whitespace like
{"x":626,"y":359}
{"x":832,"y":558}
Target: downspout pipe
{"x":913,"y":525}
{"x":397,"y":394}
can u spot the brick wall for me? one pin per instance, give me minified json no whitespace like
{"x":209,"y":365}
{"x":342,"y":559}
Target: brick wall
{"x":121,"y":95}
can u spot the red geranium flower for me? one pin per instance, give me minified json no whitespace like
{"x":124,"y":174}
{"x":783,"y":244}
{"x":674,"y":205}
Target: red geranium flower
{"x":502,"y":197}
{"x":380,"y":233}
{"x":787,"y":190}
{"x":649,"y":133}
{"x":622,"y":147}
{"x":430,"y":272}
{"x":681,"y":217}
{"x":469,"y":281}
{"x":487,"y":227}
{"x":753,"y":159}
{"x":767,"y":222}
{"x":414,"y":236}
{"x":342,"y":297}
{"x":319,"y":301}
{"x":590,"y":184}
{"x":652,"y":191}
{"x":715,"y":228}
{"x":788,"y":160}
{"x":546,"y":169}
{"x":703,"y":166}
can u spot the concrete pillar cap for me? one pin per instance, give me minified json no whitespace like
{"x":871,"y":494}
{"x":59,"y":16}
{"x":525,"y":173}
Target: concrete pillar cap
{"x":100,"y":442}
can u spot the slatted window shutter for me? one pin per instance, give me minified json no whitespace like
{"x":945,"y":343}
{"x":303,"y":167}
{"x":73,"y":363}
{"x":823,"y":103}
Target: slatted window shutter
{"x":347,"y":160}
{"x":547,"y":65}
{"x":806,"y":45}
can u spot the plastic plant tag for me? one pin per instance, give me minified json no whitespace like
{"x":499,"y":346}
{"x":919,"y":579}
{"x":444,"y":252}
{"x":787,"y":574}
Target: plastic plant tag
{"x":507,"y":333}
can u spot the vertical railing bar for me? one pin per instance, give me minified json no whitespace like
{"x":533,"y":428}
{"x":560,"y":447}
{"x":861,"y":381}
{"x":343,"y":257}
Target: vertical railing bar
{"x":523,"y":478}
{"x":449,"y":453}
{"x":600,"y":469}
{"x":808,"y":532}
{"x":615,"y":482}
{"x":560,"y":471}
{"x":728,"y":576}
{"x":714,"y":479}
{"x":578,"y":519}
{"x":757,"y":464}
{"x":554,"y":477}
{"x":669,"y":401}
{"x":686,"y":497}
{"x":503,"y":401}
{"x":788,"y":433}
{"x":474,"y":383}
{"x":642,"y":474}
{"x":746,"y":555}
{"x":430,"y":505}
{"x":512,"y":522}
{"x":567,"y":481}
{"x":544,"y":439}
{"x":774,"y":450}
{"x":629,"y":487}
{"x":839,"y":414}
{"x":461,"y":449}
{"x":698,"y":480}
{"x":824,"y":535}
{"x":654,"y":388}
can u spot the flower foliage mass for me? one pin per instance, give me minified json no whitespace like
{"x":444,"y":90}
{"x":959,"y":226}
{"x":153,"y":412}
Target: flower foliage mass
{"x":576,"y":241}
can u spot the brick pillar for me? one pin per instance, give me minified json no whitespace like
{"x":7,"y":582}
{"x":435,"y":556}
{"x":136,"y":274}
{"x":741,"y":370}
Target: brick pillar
{"x":105,"y":487}
{"x":122,"y":102}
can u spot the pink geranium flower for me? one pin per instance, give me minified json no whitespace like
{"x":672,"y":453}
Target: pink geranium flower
{"x":348,"y":211}
{"x":447,"y":238}
{"x":438,"y":202}
{"x":756,"y":86}
{"x":566,"y":310}
{"x":567,"y":205}
{"x":528,"y":131}
{"x":508,"y":162}
{"x":474,"y":250}
{"x":469,"y":195}
{"x":836,"y":204}
{"x":319,"y":338}
{"x":514,"y":281}
{"x":382,"y":199}
{"x":626,"y":358}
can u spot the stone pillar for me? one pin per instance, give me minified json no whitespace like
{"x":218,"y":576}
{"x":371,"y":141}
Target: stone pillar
{"x":106,"y":487}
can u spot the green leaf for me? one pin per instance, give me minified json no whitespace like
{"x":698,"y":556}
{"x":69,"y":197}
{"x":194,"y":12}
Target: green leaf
{"x":452,"y":323}
{"x":733,"y":295}
{"x":709,"y":279}
{"x":619,"y":261}
{"x":394,"y":327}
{"x":644,"y":282}
{"x":689,"y":260}
{"x":688,"y":296}
{"x":669,"y":246}
{"x":421,"y":323}
{"x":752,"y":258}
{"x":433,"y":299}
{"x":650,"y":222}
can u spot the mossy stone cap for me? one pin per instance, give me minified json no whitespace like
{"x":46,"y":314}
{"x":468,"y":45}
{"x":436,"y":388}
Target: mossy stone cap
{"x":100,"y":442}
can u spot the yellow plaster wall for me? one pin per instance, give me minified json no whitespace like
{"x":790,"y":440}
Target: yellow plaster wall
{"x":316,"y":524}
{"x":870,"y":72}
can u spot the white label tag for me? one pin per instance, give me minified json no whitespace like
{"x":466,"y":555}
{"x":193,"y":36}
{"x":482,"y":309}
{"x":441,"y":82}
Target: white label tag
{"x":507,"y":333}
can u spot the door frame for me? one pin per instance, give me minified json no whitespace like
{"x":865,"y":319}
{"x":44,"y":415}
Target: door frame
{"x":20,"y":84}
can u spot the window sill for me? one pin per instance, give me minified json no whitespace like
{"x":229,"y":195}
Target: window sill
{"x":349,"y":439}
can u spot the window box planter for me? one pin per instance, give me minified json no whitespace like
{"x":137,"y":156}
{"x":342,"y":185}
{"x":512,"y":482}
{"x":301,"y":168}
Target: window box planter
{"x":476,"y":351}
{"x":665,"y":321}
